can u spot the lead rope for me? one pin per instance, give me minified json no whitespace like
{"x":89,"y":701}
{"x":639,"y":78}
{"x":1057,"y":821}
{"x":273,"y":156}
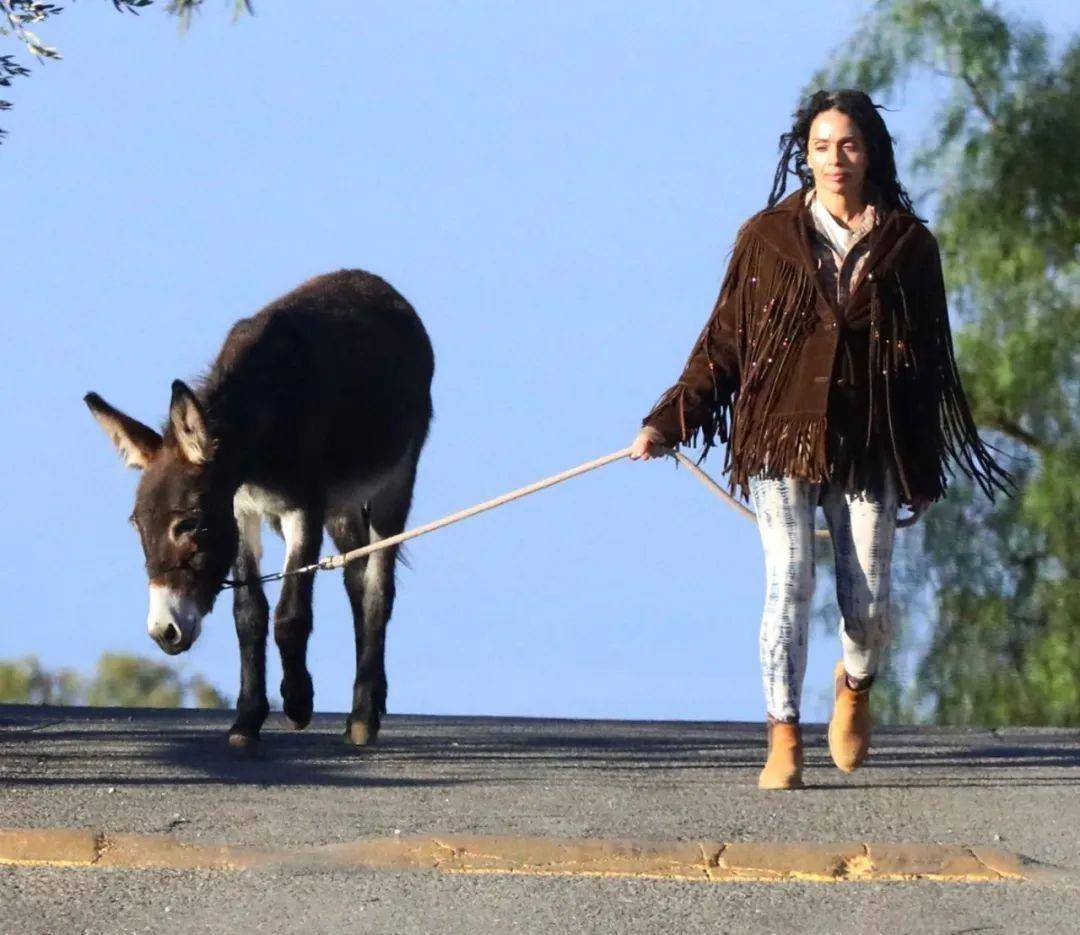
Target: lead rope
{"x":340,"y":561}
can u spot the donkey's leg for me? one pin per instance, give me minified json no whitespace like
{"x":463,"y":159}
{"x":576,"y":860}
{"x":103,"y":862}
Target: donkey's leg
{"x":302,"y":531}
{"x":348,"y":527}
{"x":371,"y":590}
{"x":252,"y":614}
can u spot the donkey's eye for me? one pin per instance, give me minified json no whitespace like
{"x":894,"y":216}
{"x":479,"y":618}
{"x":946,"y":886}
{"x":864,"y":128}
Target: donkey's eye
{"x":184,"y":526}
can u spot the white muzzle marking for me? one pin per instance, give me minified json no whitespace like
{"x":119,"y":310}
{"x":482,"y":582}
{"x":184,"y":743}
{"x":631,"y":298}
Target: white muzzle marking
{"x":173,"y":622}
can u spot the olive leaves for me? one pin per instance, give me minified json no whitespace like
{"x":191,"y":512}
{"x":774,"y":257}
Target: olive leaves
{"x":18,"y":16}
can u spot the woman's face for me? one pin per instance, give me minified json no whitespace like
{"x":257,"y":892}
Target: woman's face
{"x":836,"y":154}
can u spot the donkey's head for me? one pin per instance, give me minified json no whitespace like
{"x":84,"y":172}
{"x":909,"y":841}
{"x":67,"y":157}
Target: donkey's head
{"x":183,"y":512}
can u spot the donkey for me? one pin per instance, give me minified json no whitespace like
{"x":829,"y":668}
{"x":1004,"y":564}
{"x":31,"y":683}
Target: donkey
{"x":313,"y":415}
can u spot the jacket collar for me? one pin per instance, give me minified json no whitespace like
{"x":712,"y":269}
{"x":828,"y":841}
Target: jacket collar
{"x":787,"y":227}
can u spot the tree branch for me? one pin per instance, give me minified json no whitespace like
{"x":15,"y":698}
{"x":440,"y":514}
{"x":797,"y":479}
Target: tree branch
{"x":980,"y":99}
{"x":1007,"y":426}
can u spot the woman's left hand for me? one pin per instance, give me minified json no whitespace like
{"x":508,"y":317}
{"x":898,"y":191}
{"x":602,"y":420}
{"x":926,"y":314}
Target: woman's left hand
{"x":647,"y":444}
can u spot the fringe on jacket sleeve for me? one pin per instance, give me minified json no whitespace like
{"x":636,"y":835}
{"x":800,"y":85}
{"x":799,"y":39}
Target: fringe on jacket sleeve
{"x":702,"y":399}
{"x":945,"y":423}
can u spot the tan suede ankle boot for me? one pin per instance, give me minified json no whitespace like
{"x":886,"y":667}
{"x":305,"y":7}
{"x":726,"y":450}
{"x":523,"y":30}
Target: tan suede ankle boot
{"x":849,"y":728}
{"x":783,"y":768}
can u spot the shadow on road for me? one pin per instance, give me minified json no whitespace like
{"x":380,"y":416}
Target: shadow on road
{"x":68,"y":746}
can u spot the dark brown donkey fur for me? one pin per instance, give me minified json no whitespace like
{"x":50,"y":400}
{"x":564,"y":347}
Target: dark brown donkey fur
{"x":313,"y":415}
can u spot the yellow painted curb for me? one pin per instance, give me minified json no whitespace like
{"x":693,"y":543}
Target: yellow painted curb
{"x":678,"y":860}
{"x":151,"y":852}
{"x":61,"y":846}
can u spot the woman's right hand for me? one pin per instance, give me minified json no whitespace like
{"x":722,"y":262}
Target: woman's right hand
{"x":647,"y":444}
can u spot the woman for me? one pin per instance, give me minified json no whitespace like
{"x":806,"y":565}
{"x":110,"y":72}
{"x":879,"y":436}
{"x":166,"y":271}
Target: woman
{"x":829,"y":349}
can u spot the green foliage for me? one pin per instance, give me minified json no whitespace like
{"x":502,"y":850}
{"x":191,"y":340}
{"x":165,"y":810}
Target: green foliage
{"x":23,"y":681}
{"x":120,"y":680}
{"x":17,"y":16}
{"x":129,"y":681}
{"x":998,"y":581}
{"x":203,"y":695}
{"x":185,"y":9}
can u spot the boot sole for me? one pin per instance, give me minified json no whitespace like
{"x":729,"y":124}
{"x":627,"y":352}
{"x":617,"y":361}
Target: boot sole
{"x":794,"y":783}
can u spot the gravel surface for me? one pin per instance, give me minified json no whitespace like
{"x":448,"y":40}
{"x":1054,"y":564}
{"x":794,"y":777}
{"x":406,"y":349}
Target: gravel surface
{"x":172,"y":772}
{"x":112,"y":902}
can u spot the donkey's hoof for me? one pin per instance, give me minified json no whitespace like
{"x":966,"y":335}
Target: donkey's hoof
{"x":360,"y":735}
{"x":297,"y":710}
{"x":297,"y":700}
{"x":244,"y":743}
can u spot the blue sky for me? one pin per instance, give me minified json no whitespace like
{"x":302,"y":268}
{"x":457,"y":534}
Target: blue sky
{"x":554,"y":187}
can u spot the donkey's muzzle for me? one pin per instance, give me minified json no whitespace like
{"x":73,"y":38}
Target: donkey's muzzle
{"x":173,"y":621}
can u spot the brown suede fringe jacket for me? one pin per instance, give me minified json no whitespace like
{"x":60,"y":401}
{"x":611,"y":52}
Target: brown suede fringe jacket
{"x":827,"y":392}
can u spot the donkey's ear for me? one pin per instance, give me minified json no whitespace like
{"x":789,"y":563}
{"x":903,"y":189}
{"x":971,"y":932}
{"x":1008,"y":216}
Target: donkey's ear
{"x":189,"y":423}
{"x":137,"y":443}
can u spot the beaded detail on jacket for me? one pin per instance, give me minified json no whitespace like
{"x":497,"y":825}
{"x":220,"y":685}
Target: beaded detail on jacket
{"x":762,"y":374}
{"x":840,"y":257}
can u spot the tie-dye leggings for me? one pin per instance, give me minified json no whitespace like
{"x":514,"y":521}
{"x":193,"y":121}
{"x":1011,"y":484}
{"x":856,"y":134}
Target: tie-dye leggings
{"x":862,"y":529}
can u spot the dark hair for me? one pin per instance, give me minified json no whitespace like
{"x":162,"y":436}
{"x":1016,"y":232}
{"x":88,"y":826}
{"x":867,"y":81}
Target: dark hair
{"x":881,"y":172}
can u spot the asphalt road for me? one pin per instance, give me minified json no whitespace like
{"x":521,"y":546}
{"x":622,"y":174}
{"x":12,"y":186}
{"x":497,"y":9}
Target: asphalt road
{"x":172,"y":773}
